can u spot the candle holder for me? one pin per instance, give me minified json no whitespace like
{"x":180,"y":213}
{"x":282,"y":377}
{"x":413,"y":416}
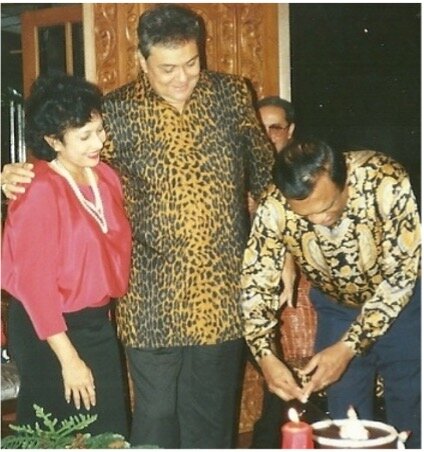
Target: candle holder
{"x":353,"y":433}
{"x":296,"y":434}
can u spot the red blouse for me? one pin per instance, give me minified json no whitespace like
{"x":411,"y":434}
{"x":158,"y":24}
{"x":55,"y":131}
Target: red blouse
{"x":55,"y":258}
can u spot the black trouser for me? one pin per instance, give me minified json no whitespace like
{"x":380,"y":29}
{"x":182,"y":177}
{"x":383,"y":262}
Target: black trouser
{"x":94,"y":338}
{"x":186,"y":397}
{"x":267,"y":429}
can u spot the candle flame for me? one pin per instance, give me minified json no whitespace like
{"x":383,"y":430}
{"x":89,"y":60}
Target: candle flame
{"x":293,"y":416}
{"x":403,"y":436}
{"x":351,"y":413}
{"x":353,"y":428}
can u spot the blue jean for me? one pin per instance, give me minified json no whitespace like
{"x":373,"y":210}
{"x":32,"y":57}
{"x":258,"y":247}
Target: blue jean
{"x":396,"y":356}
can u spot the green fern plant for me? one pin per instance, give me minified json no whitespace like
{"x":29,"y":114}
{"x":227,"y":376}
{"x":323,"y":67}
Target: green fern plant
{"x":61,"y":435}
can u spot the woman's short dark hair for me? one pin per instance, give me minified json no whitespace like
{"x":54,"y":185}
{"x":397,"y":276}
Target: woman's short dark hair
{"x":297,"y":168}
{"x":167,"y":25}
{"x":57,"y":103}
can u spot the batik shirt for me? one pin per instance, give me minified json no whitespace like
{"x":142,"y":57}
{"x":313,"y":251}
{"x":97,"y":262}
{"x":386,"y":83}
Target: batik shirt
{"x":369,"y":259}
{"x":185,"y":178}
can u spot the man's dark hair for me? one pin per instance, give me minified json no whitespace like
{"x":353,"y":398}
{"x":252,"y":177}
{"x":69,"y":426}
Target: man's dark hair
{"x":296,"y":169}
{"x":275,"y":101}
{"x":168,"y":25}
{"x":56,"y":104}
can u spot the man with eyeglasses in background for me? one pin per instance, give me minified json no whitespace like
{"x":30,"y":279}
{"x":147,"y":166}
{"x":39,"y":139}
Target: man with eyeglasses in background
{"x":278,"y":118}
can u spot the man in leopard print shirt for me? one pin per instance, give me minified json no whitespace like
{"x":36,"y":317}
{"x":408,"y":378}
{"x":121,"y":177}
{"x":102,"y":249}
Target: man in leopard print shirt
{"x":188,"y":145}
{"x":351,"y":223}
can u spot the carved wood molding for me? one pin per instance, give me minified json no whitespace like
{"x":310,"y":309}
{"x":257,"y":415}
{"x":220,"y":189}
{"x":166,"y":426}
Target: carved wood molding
{"x":221,"y":35}
{"x":240,"y":39}
{"x":106,"y":43}
{"x":130,"y":55}
{"x":250,"y":49}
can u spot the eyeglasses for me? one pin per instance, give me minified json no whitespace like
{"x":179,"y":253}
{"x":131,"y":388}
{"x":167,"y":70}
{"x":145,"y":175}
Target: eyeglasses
{"x":277,"y":129}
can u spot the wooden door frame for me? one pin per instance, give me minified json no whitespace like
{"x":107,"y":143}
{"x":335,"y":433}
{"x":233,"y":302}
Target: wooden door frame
{"x":31,"y":21}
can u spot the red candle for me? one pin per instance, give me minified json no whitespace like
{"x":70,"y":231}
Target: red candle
{"x":296,"y":434}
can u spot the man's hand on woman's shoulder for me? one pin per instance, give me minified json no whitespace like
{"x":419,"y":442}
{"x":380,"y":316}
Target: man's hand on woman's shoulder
{"x":13,"y":176}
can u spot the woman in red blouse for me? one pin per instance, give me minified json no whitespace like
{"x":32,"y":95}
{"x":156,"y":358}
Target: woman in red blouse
{"x":66,"y":254}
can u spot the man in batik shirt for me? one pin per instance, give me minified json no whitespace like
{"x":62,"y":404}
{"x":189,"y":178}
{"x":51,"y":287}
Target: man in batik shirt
{"x":351,"y":223}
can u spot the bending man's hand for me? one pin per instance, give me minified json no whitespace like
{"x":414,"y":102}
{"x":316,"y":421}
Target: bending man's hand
{"x":327,"y":366}
{"x":279,"y":379}
{"x":13,"y":176}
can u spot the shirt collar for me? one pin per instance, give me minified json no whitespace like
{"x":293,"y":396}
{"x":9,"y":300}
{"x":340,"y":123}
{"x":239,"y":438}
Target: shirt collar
{"x":203,"y":83}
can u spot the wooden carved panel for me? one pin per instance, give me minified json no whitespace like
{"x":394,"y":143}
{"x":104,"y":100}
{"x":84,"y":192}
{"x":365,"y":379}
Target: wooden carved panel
{"x":116,"y":43}
{"x":221,"y":35}
{"x":106,"y":45}
{"x":241,"y":39}
{"x":257,"y":49}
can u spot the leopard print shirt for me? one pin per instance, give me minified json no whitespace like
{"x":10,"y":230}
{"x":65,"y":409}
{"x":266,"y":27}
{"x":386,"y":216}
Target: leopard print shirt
{"x":185,"y":177}
{"x":370,"y":258}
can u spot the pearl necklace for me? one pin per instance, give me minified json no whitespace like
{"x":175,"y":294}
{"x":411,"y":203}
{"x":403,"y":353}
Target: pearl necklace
{"x":94,"y":209}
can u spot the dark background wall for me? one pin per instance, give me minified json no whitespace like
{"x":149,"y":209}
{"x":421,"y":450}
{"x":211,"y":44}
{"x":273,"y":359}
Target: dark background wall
{"x":356,"y":77}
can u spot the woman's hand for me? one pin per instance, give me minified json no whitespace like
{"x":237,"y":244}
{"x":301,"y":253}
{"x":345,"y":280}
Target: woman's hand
{"x":78,"y":380}
{"x":13,"y":176}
